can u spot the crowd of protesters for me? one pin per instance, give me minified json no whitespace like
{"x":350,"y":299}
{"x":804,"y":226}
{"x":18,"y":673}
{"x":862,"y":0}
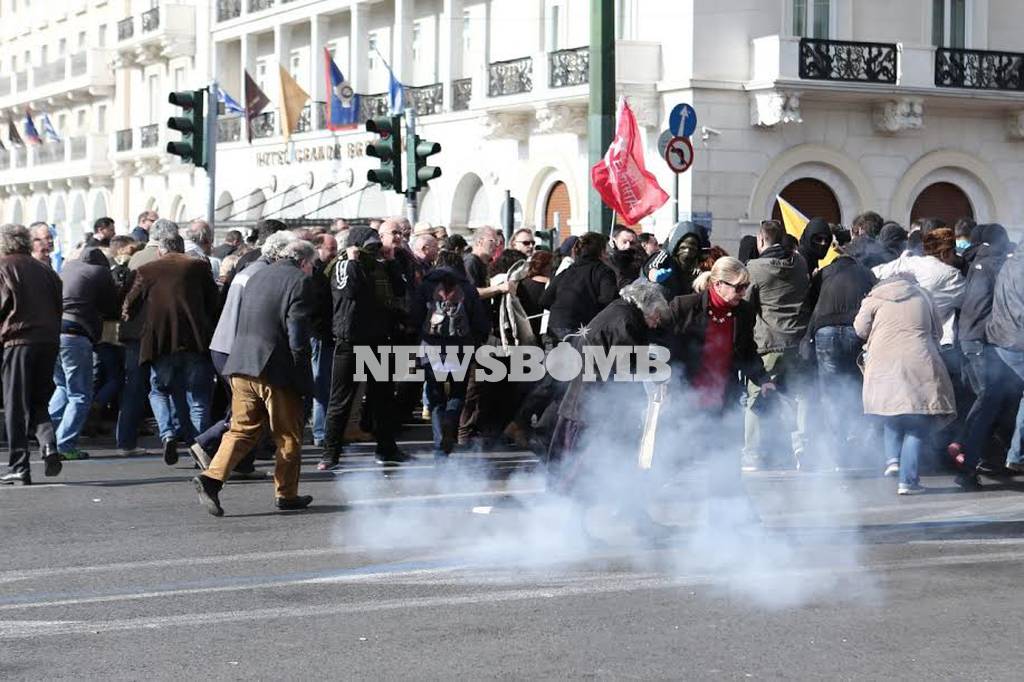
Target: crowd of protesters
{"x":876,"y":346}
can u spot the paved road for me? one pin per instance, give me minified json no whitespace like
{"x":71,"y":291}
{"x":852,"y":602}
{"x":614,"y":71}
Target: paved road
{"x":472,"y":572}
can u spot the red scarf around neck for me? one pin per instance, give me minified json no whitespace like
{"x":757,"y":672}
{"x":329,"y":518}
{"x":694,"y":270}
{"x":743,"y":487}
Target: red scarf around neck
{"x":716,"y":357}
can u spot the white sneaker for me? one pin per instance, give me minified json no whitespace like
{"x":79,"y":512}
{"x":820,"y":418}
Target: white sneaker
{"x":905,"y":489}
{"x":892,"y":469}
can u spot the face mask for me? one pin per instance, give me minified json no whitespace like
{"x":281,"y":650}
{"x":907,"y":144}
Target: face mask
{"x":962,"y":245}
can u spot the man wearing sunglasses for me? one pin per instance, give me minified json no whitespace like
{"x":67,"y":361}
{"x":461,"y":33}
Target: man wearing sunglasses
{"x":779,"y":281}
{"x":523,"y":242}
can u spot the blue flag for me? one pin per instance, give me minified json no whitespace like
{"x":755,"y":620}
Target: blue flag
{"x":31,"y":134}
{"x":230,"y":105}
{"x":396,"y":93}
{"x":342,"y":103}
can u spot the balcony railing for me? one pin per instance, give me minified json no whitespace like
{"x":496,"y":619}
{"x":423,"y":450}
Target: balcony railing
{"x":979,"y":69}
{"x":5,"y":85}
{"x":569,"y":67}
{"x":5,"y":159}
{"x":462,"y":93}
{"x":49,"y":73}
{"x":427,"y":99}
{"x":512,"y":77}
{"x":125,"y":28}
{"x":78,"y":148}
{"x":123,"y":140}
{"x":842,"y":60}
{"x":151,"y":20}
{"x":228,"y":9}
{"x":260,"y":5}
{"x":305,"y":122}
{"x":22,"y":78}
{"x":149,"y":136}
{"x":51,"y":152}
{"x":20,"y":156}
{"x":373,"y":105}
{"x":229,"y":129}
{"x":264,"y":125}
{"x":79,"y":64}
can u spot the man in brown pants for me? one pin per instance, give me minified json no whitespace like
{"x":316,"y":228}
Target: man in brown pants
{"x":270,"y":373}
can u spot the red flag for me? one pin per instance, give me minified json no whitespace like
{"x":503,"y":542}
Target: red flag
{"x":625,"y":185}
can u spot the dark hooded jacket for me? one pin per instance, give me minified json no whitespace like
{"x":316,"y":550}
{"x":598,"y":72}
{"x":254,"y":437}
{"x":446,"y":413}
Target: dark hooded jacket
{"x":476,"y":312}
{"x":836,"y":293}
{"x":678,"y":282}
{"x":748,"y":248}
{"x":868,"y":251}
{"x":1005,"y":326}
{"x":626,"y":263}
{"x":364,"y":293}
{"x":893,"y":240}
{"x":579,"y":293}
{"x":89,"y":294}
{"x":983,"y":261}
{"x":811,"y":251}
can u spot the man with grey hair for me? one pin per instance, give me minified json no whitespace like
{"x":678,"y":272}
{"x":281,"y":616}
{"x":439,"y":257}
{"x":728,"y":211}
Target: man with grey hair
{"x":270,"y":373}
{"x":176,"y":299}
{"x":162,"y":229}
{"x":199,"y":244}
{"x":485,"y":243}
{"x":30,"y":309}
{"x":220,"y":350}
{"x":42,"y":242}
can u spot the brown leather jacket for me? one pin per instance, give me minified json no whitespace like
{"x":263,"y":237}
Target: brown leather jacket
{"x":30,"y":302}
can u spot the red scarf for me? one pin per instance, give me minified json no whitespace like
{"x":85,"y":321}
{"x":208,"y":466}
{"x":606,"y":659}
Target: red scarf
{"x":716,"y":356}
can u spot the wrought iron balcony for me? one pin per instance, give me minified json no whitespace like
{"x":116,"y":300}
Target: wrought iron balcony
{"x":843,"y":60}
{"x":5,"y":85}
{"x":228,"y":9}
{"x":374,"y":105}
{"x":22,"y":78}
{"x":123,"y":140}
{"x":49,"y":73}
{"x":126,"y":28}
{"x":305,"y":122}
{"x":151,"y":20}
{"x":264,"y":125}
{"x":79,"y":145}
{"x":149,"y":136}
{"x":512,"y":77}
{"x":20,"y":156}
{"x":427,"y":99}
{"x":462,"y":93}
{"x":569,"y":67}
{"x":260,"y":5}
{"x":229,"y":129}
{"x":979,"y":69}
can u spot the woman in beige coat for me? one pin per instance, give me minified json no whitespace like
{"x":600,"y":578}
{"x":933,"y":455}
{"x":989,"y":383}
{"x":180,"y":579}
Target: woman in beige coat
{"x":905,"y":381}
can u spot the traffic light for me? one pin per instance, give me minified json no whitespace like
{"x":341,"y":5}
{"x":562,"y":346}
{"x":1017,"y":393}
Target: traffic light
{"x":190,"y":124}
{"x":420,"y":171}
{"x":388,"y":149}
{"x":545,"y":239}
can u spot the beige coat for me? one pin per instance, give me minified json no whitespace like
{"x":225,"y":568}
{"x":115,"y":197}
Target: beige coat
{"x":903,"y":372}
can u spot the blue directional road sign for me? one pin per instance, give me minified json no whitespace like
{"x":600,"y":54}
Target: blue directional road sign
{"x":683,"y":120}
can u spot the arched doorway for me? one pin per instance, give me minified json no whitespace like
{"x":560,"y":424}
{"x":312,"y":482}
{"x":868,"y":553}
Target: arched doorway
{"x":17,"y":212}
{"x":942,"y":200}
{"x":469,"y":203}
{"x":558,"y":210}
{"x":99,"y":206}
{"x":811,"y":197}
{"x":225,"y":206}
{"x":40,"y":215}
{"x":256,"y":203}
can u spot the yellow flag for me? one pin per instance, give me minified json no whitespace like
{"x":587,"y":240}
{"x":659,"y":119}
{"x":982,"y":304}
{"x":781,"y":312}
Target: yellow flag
{"x":795,"y":222}
{"x":293,"y":98}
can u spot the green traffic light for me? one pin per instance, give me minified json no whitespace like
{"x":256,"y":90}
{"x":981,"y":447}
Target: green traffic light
{"x":190,"y":124}
{"x":388,"y":149}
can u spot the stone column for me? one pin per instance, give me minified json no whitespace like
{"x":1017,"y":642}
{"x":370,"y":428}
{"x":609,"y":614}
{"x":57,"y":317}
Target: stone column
{"x":450,"y":49}
{"x":358,"y":74}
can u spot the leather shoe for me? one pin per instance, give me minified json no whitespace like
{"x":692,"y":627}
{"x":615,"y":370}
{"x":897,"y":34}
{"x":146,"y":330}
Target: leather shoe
{"x":293,"y":503}
{"x":171,"y":451}
{"x":208,"y":490}
{"x":16,"y":477}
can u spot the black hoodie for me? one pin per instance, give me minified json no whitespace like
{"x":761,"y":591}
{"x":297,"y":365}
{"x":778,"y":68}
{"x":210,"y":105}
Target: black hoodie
{"x":89,"y":294}
{"x":984,"y":260}
{"x":811,"y":251}
{"x":679,"y":282}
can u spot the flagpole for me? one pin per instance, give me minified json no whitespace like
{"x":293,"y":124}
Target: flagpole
{"x":211,"y":155}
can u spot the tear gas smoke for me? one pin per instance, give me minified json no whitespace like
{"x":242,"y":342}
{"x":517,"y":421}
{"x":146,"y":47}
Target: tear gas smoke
{"x":692,"y":500}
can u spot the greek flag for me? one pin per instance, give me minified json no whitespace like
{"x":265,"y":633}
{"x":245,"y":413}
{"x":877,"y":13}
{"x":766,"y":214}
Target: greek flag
{"x":48,"y":130}
{"x":231,"y":106}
